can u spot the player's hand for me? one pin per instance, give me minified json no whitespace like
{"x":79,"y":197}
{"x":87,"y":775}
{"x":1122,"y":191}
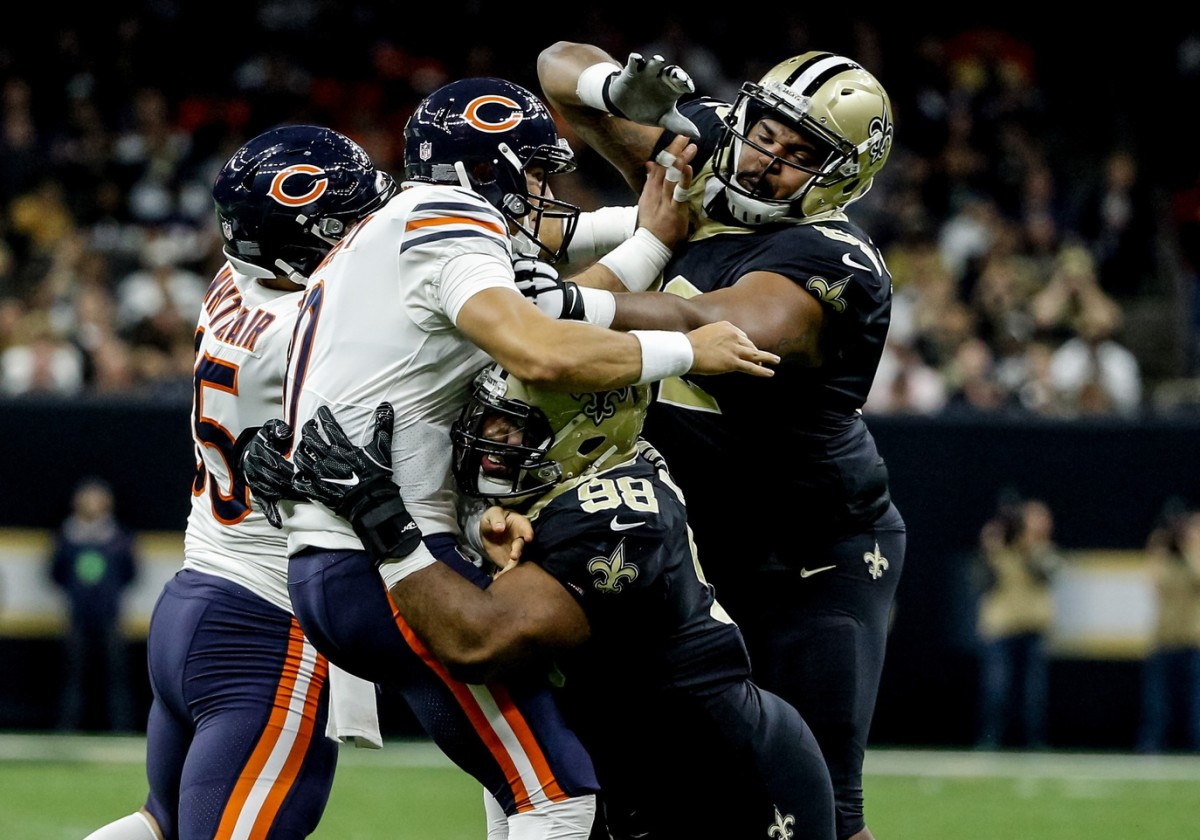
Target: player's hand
{"x":647,"y":92}
{"x":504,"y":534}
{"x":722,"y":347}
{"x":663,"y":205}
{"x":356,"y":482}
{"x":329,"y":468}
{"x":539,"y":282}
{"x":266,"y":471}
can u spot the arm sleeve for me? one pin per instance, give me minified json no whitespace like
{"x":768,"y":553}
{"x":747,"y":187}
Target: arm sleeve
{"x":466,"y":275}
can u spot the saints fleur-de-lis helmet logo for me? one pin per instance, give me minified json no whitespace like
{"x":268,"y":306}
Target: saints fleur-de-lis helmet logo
{"x":781,"y":829}
{"x":612,"y":572}
{"x":602,"y":405}
{"x":876,"y":562}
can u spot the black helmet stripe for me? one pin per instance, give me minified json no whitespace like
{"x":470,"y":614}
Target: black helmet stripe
{"x":808,"y":77}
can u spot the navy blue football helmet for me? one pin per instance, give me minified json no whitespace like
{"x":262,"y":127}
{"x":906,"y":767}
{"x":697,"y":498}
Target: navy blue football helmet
{"x":484,"y":134}
{"x":286,"y":197}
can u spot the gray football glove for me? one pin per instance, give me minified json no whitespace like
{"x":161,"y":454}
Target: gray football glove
{"x":540,"y":283}
{"x":647,"y":92}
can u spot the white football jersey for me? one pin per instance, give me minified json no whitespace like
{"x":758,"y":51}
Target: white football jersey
{"x":244,"y":330}
{"x":378,"y":324}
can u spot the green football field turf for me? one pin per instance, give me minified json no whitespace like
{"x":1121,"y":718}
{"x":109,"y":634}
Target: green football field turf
{"x":60,"y":788}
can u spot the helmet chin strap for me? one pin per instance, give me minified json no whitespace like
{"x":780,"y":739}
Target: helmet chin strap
{"x":291,"y":273}
{"x":461,"y":171}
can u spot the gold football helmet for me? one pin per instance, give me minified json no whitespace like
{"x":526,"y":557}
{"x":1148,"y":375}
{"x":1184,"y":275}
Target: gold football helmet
{"x":515,"y":442}
{"x":837,"y":105}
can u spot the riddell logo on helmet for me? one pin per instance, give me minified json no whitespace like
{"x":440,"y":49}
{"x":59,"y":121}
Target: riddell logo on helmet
{"x":319,"y":185}
{"x":509,"y":114}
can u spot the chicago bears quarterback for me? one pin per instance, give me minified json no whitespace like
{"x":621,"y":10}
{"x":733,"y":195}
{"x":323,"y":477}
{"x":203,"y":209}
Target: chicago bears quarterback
{"x":236,"y":738}
{"x":811,"y":570}
{"x":653,"y":675}
{"x":410,"y":304}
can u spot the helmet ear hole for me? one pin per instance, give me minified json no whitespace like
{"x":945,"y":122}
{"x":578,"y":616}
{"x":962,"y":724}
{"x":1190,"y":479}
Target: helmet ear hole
{"x":589,"y":446}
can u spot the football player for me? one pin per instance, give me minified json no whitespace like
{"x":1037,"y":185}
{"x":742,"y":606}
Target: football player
{"x":654,"y":676}
{"x":811,"y":570}
{"x":236,"y":738}
{"x":414,"y":300}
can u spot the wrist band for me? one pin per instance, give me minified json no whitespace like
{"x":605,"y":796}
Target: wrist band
{"x":599,"y":306}
{"x":664,"y":354}
{"x":592,"y":87}
{"x":394,"y":571}
{"x":599,"y":231}
{"x":639,"y":261}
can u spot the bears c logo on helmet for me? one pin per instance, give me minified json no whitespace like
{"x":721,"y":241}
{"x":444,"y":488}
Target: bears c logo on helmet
{"x":319,"y":185}
{"x":507,"y":120}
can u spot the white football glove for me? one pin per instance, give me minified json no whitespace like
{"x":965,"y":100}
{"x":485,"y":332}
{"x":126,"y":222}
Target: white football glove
{"x":647,"y":92}
{"x":539,"y":282}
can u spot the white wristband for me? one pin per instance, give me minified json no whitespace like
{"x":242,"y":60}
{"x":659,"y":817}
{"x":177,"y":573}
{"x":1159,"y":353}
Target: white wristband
{"x":664,"y":354}
{"x":590,"y":87}
{"x":599,"y":231}
{"x":639,"y":261}
{"x":599,"y":306}
{"x":395,"y":570}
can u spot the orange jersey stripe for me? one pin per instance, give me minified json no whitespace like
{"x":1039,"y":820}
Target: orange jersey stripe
{"x":455,"y":220}
{"x":291,"y":768}
{"x":274,"y":729}
{"x":470,"y":706}
{"x":537,"y":758}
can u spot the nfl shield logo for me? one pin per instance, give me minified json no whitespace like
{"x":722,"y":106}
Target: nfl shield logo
{"x":426,"y":150}
{"x":227,"y":228}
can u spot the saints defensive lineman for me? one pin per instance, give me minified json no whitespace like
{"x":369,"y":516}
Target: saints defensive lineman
{"x":653,"y":675}
{"x":788,"y":493}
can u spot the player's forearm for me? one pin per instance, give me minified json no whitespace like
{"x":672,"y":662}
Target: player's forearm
{"x":556,"y":355}
{"x":454,"y":619}
{"x":558,"y":69}
{"x":658,"y":311}
{"x":622,"y":143}
{"x":479,"y":633}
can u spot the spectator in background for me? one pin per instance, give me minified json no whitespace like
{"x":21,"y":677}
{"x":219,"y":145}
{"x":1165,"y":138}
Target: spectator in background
{"x":905,"y":384}
{"x":39,"y":361}
{"x":1171,"y":674}
{"x":1118,"y":219}
{"x":93,"y":562}
{"x":972,"y":382}
{"x":1020,"y":561}
{"x":1093,"y":373}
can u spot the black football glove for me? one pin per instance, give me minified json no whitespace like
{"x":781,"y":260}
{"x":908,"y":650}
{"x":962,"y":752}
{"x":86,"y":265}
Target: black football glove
{"x":356,"y":482}
{"x":259,"y":457}
{"x":539,"y":282}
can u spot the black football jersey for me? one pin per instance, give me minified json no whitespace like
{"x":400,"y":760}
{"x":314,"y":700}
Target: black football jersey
{"x":619,"y":542}
{"x":790,"y":454}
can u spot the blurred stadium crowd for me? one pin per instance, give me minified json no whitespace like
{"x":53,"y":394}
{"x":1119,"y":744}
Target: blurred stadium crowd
{"x":1044,"y":237}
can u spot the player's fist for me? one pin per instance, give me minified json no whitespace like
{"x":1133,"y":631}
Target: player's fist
{"x":539,"y":282}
